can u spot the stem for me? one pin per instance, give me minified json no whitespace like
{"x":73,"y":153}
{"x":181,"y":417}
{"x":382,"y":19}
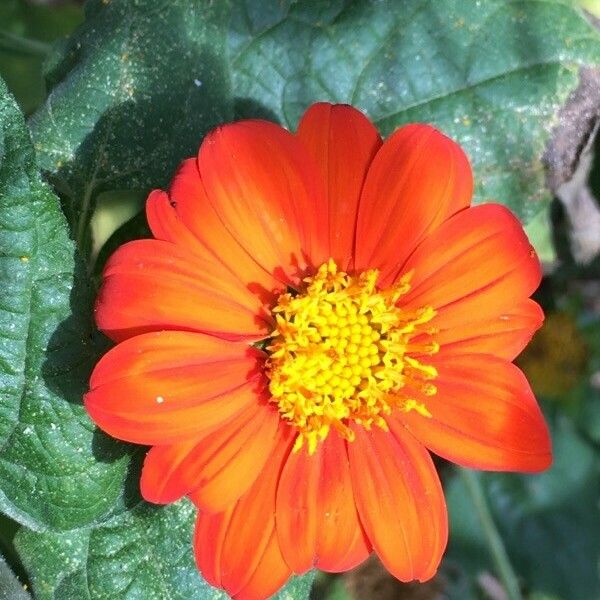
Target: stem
{"x":16,"y":43}
{"x":495,"y":544}
{"x":82,"y":222}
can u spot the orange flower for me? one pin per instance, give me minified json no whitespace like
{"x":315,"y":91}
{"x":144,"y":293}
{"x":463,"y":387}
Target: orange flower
{"x":317,"y":312}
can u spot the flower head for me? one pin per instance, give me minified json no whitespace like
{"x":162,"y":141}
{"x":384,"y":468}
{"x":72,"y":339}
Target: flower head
{"x":316,"y":313}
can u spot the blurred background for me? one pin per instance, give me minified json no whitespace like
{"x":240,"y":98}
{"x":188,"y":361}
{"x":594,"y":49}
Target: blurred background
{"x":547,"y":526}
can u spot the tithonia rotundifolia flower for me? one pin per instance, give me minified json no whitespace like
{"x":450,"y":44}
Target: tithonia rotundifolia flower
{"x":316,"y":313}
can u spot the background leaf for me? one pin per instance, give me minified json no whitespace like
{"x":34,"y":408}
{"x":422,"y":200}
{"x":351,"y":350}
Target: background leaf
{"x":26,"y":31}
{"x":488,"y":73}
{"x":132,"y":93}
{"x":10,"y":587}
{"x":129,"y":100}
{"x":144,"y":553}
{"x":55,"y":469}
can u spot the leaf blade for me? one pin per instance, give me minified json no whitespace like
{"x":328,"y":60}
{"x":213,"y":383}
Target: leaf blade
{"x":50,"y":472}
{"x":133,"y":91}
{"x":144,"y":553}
{"x":486,"y":73}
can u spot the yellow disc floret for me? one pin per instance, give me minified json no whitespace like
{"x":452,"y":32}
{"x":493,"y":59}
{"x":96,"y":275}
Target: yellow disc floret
{"x":341,"y":351}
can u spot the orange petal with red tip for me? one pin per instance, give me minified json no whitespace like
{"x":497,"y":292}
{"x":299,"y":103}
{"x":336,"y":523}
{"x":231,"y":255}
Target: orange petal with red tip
{"x":237,"y":549}
{"x":163,"y":478}
{"x":220,"y":466}
{"x":166,"y":225}
{"x":317,"y":520}
{"x":400,"y":501}
{"x":164,"y":387}
{"x":477,"y":265}
{"x":342,"y":142}
{"x":503,"y":335}
{"x":152,"y":285}
{"x":189,"y":203}
{"x":483,"y":416}
{"x":417,"y":180}
{"x":268,"y":193}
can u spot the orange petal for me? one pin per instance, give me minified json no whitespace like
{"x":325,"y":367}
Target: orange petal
{"x":317,"y":520}
{"x":400,"y":502}
{"x":270,"y":574}
{"x":503,"y":335}
{"x":483,"y":416}
{"x":189,"y":205}
{"x":163,"y":387}
{"x":267,"y":192}
{"x":164,"y":480}
{"x":151,"y":285}
{"x":220,"y":466}
{"x":231,"y":458}
{"x":237,"y":549}
{"x":478,"y":265}
{"x":342,"y":142}
{"x":417,"y":180}
{"x":167,"y":225}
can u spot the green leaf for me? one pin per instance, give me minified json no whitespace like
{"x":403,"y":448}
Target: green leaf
{"x":488,"y":73}
{"x":133,"y":92}
{"x":129,"y":99}
{"x":10,"y":587}
{"x":55,"y":469}
{"x":297,"y":588}
{"x":549,"y":521}
{"x":25,"y":32}
{"x":144,"y":553}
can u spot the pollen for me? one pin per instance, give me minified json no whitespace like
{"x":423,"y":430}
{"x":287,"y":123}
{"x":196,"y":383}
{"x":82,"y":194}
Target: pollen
{"x":342,"y":351}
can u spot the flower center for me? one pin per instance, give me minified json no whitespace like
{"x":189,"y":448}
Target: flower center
{"x":341,"y":351}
